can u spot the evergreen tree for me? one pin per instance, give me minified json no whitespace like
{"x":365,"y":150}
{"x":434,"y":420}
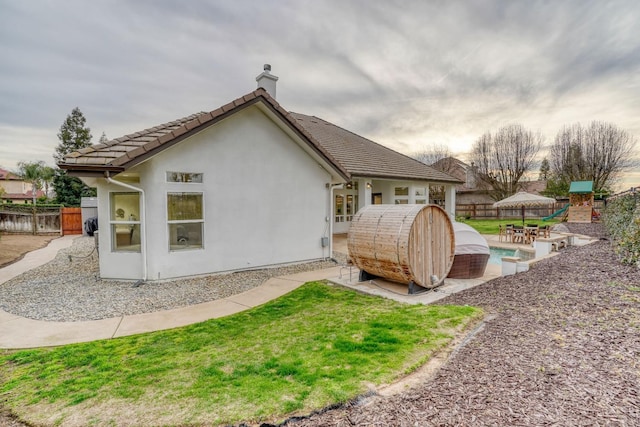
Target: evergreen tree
{"x":103,"y":138}
{"x":69,"y":189}
{"x":545,"y":168}
{"x":74,"y":135}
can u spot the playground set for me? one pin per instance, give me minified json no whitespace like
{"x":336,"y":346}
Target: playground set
{"x":581,"y":203}
{"x":580,"y":207}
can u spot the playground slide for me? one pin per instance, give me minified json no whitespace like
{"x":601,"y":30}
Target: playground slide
{"x":555,"y":214}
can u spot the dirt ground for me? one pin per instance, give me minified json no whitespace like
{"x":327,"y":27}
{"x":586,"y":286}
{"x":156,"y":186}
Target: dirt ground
{"x":14,"y":246}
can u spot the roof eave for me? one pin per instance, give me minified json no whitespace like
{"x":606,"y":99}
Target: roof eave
{"x":88,"y":170}
{"x":404,"y":178}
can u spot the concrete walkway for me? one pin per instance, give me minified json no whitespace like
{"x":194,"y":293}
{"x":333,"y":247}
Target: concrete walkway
{"x":19,"y":332}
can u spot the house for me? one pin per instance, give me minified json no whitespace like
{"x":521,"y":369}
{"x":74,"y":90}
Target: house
{"x":244,"y":186}
{"x":16,"y":190}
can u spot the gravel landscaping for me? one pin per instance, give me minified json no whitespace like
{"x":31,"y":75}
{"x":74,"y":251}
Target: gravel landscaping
{"x":64,"y":290}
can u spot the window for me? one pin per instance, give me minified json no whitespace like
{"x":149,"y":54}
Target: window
{"x":402,"y":195}
{"x":185,"y":220}
{"x":184,"y":177}
{"x":352,"y":206}
{"x":421,"y":196}
{"x":339,"y":208}
{"x":125,"y":222}
{"x":401,"y":191}
{"x":345,"y":207}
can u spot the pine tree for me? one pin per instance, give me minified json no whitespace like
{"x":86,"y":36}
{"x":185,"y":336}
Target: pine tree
{"x":74,"y":135}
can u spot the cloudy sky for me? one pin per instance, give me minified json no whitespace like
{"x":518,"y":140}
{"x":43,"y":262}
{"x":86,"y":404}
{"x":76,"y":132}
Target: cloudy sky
{"x":407,"y":74}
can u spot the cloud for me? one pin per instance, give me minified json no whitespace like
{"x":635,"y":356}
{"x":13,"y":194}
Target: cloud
{"x":403,"y":73}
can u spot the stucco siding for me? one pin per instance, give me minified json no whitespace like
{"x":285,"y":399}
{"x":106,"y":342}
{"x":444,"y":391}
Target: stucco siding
{"x":113,"y":265}
{"x":264,"y":199}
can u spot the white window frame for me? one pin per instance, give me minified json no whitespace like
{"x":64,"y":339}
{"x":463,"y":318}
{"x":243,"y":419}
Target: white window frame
{"x":185,"y":221}
{"x":113,"y":223}
{"x":401,"y":199}
{"x":183,"y":177}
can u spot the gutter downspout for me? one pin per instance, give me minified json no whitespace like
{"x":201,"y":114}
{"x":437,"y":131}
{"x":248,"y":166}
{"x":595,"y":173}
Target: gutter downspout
{"x":331,"y":199}
{"x":143,"y":221}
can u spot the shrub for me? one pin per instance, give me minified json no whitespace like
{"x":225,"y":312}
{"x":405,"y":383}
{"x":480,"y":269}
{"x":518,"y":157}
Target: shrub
{"x":622,"y":219}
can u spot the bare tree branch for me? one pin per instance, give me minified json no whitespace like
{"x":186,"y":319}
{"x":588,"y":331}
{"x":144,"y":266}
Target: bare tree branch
{"x":502,"y":159}
{"x":598,"y":152}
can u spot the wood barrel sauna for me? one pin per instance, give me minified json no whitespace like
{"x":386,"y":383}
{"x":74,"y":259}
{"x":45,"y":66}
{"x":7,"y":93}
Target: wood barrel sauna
{"x":403,"y":243}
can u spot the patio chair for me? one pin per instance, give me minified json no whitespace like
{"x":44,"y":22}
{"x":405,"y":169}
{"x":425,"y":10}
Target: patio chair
{"x":544,"y":231}
{"x":508,"y":230}
{"x":502,"y":233}
{"x":531,"y":233}
{"x":518,"y":234}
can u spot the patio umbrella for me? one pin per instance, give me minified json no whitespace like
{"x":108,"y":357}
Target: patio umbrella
{"x":522,"y":200}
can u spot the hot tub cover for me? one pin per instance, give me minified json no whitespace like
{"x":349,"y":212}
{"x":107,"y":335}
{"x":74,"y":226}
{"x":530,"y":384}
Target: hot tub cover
{"x":468,"y":240}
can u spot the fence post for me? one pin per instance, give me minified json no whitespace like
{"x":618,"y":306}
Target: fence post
{"x":34,"y":218}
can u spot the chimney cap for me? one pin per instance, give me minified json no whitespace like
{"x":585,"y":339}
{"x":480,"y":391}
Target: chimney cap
{"x":267,"y":81}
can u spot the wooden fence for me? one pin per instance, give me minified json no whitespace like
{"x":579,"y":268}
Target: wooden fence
{"x":487,"y":211}
{"x":71,"y":221}
{"x":16,"y":218}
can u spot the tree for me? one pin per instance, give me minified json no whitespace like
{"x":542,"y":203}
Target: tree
{"x":439,"y":157}
{"x":33,"y":173}
{"x":556,"y":187}
{"x":69,"y":189}
{"x":103,"y":138}
{"x":598,"y":152}
{"x":432,"y":154}
{"x":74,"y":135}
{"x":545,"y":170}
{"x":502,"y":159}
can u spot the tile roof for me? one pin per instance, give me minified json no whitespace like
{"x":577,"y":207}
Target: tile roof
{"x":22,"y":196}
{"x":349,"y":154}
{"x":6,"y":175}
{"x":365,"y":158}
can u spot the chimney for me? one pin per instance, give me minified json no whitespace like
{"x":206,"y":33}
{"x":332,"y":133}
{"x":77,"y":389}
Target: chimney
{"x":267,"y":81}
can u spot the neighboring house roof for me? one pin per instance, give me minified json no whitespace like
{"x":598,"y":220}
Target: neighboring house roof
{"x":452,"y":166}
{"x":6,"y":175}
{"x":349,"y":154}
{"x":534,"y":187}
{"x":581,"y":187}
{"x":22,"y":196}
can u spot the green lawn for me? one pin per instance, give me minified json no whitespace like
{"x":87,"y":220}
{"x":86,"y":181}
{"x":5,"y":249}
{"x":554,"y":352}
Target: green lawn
{"x":313,"y":347}
{"x":490,"y":226}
